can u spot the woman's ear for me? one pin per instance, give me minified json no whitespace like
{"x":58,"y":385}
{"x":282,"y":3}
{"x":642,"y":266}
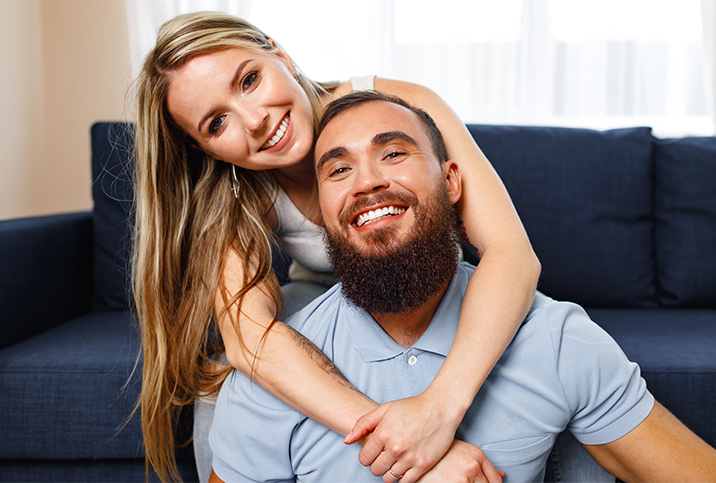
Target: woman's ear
{"x":453,"y":180}
{"x":285,"y":58}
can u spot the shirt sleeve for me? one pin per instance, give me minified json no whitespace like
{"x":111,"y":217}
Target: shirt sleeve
{"x":605,"y":391}
{"x":251,"y":433}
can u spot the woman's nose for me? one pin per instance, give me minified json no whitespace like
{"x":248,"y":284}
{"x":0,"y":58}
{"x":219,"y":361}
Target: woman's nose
{"x":254,"y":119}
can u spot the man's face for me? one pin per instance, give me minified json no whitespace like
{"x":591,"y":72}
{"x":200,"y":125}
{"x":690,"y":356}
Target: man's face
{"x":387,"y":207}
{"x":376,"y":172}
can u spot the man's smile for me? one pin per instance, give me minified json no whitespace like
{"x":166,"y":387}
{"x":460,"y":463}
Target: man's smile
{"x":374,"y":215}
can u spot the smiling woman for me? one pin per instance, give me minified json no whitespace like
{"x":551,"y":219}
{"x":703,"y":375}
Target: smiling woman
{"x":242,"y":106}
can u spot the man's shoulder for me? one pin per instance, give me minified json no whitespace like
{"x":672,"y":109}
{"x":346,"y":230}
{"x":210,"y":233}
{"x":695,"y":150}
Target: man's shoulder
{"x":319,"y":313}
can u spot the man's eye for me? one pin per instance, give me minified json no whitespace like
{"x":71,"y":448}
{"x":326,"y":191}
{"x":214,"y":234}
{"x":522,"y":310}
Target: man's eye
{"x":338,"y":171}
{"x":394,"y":154}
{"x":250,"y":80}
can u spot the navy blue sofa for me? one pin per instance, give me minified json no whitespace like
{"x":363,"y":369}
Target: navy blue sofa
{"x":623,"y":223}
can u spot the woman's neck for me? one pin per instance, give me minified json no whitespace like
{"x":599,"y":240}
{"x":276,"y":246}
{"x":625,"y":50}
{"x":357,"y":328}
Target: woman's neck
{"x":302,"y":173}
{"x":299,"y":183}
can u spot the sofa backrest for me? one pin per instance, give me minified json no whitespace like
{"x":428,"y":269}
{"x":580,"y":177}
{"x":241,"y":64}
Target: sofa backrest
{"x":585,"y":198}
{"x":618,"y":218}
{"x":113,"y":195}
{"x":685,"y":221}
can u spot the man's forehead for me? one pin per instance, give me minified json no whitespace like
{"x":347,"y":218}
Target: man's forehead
{"x":361,"y":124}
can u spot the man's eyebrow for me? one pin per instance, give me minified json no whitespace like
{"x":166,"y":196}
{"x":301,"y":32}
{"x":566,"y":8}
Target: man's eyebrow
{"x":234,"y":80}
{"x":329,"y":155}
{"x":386,"y":137}
{"x":378,"y":140}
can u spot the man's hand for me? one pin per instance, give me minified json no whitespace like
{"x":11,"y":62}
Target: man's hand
{"x":409,"y":436}
{"x":463,"y":463}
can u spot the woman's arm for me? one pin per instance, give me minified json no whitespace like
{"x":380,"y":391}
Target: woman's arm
{"x":288,"y":365}
{"x":412,"y":433}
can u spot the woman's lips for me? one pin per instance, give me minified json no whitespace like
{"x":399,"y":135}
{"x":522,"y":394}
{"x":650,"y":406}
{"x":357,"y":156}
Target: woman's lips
{"x":279,"y":135}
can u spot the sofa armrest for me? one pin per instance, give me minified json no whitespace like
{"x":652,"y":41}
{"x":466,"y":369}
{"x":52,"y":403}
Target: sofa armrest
{"x":45,"y":273}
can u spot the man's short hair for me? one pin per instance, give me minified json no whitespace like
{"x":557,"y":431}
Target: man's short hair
{"x":357,"y":98}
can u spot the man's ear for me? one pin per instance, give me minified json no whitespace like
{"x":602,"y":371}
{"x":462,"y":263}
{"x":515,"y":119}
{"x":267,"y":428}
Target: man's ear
{"x":453,"y":181}
{"x":285,"y":58}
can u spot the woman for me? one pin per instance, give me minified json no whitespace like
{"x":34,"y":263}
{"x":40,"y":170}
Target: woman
{"x":224,"y":138}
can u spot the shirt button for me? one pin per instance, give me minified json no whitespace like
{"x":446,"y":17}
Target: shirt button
{"x":412,"y":360}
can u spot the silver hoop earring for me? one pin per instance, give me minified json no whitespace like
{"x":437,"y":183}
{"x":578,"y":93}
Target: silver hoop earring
{"x":235,"y":187}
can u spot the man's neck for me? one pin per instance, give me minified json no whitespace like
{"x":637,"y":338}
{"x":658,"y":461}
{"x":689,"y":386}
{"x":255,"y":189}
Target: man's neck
{"x":406,"y":328}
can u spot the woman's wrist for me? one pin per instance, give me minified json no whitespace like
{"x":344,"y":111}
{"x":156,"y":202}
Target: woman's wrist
{"x":452,"y":399}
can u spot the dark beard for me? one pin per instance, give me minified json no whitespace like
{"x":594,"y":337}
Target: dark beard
{"x":400,"y":277}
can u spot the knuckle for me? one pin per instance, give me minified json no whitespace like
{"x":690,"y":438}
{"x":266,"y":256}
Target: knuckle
{"x":473,"y":468}
{"x":397,"y":448}
{"x":422,"y":463}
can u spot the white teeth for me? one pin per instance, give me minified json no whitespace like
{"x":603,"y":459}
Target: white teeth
{"x":279,"y":134}
{"x":378,"y":214}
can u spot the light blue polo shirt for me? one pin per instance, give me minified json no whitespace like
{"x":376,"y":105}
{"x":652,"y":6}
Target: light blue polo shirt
{"x":561,"y":371}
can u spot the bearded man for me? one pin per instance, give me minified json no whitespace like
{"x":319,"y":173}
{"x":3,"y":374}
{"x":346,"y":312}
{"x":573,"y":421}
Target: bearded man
{"x":386,"y":191}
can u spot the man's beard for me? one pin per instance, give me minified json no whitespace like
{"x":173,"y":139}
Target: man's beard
{"x":399,"y":276}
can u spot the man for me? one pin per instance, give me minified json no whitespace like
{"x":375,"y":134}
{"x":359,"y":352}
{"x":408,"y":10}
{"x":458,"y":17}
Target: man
{"x":386,"y":191}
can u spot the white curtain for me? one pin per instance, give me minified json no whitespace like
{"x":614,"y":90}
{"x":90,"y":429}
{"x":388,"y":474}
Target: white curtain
{"x":600,"y":64}
{"x":144,"y":17}
{"x":708,"y":17}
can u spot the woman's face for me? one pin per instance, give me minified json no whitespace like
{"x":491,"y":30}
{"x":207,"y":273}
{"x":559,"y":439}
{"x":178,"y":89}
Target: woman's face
{"x":244,"y":107}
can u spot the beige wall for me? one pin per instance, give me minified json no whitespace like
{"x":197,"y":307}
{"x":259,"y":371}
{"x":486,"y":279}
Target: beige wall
{"x":65,"y":64}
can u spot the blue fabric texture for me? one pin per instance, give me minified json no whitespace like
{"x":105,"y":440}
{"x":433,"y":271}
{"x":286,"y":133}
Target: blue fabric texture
{"x":46,"y":277}
{"x":675,"y":350}
{"x":62,"y":392}
{"x":585,"y":198}
{"x":112,"y":192}
{"x":686,"y":220}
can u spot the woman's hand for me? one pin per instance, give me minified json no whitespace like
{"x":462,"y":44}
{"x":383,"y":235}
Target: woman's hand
{"x":463,"y":463}
{"x":407,"y":436}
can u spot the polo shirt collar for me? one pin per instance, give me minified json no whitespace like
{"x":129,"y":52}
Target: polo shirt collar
{"x":373,"y":344}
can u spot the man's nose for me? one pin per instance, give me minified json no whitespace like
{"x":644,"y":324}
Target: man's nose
{"x":370,"y":179}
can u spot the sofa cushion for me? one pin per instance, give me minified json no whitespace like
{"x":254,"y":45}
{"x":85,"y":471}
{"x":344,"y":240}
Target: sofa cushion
{"x":686,"y":221}
{"x":112,"y":174}
{"x":675,"y":350}
{"x":585,"y":198}
{"x":63,"y":394}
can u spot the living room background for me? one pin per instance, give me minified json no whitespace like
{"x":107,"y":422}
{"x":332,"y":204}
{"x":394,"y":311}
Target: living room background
{"x":551,"y":62}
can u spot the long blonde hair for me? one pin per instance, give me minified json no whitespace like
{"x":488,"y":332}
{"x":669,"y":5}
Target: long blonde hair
{"x":187,"y":219}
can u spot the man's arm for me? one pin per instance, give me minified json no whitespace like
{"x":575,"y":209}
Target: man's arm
{"x":661,"y":448}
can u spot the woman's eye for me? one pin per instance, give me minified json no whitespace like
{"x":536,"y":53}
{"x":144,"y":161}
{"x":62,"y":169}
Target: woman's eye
{"x":216,"y":124}
{"x":249,"y":80}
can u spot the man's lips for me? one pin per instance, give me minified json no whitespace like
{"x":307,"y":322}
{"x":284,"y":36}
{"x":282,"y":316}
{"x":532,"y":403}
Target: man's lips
{"x":278,"y":133}
{"x":369,"y":209}
{"x":378,"y":213}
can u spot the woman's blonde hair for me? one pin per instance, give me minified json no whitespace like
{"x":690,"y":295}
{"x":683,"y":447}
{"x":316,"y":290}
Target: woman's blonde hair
{"x":187,"y":220}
